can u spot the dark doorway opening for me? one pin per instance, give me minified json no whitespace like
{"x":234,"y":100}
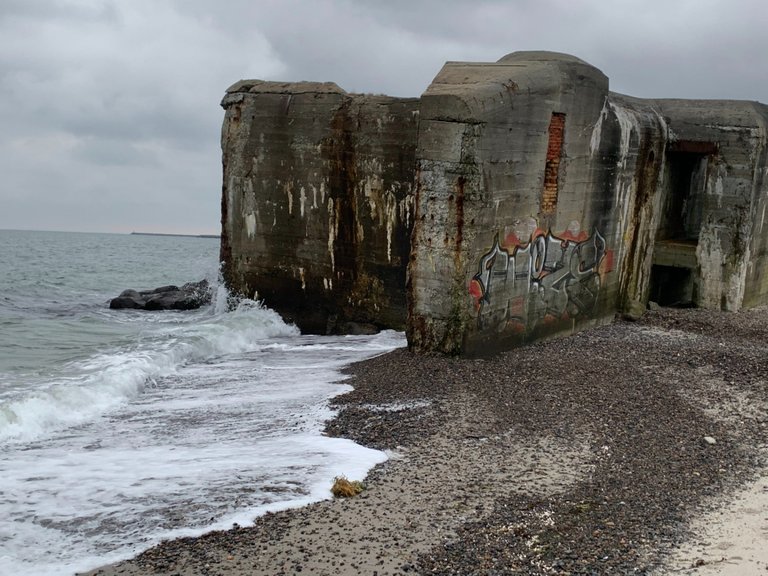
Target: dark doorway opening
{"x":672,"y":286}
{"x":685,"y":182}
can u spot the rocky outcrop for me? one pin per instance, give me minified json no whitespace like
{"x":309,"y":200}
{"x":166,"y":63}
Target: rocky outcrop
{"x":187,"y":297}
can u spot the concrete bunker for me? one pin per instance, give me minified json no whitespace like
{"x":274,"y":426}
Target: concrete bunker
{"x":317,"y":202}
{"x":514,"y":200}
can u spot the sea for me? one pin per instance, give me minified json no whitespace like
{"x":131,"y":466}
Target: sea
{"x":121,"y":428}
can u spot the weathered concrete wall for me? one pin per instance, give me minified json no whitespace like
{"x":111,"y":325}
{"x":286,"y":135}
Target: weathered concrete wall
{"x":527,"y":186}
{"x":547,"y":204}
{"x":756,"y":281}
{"x":724,"y":144}
{"x":317,"y":201}
{"x":540,"y":203}
{"x":627,"y":145}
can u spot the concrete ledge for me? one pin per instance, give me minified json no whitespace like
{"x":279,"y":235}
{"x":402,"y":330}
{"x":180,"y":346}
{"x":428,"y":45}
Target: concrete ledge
{"x":675,"y":253}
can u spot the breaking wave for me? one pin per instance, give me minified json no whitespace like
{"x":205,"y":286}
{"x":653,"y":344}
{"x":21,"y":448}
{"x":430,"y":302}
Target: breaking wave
{"x":82,"y":390}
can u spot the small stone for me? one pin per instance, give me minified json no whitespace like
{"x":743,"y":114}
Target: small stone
{"x":710,"y":440}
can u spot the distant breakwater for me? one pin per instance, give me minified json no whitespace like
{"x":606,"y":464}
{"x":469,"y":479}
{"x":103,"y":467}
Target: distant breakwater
{"x":177,"y":235}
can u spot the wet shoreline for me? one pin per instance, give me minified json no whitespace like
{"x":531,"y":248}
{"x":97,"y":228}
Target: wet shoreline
{"x":583,"y":455}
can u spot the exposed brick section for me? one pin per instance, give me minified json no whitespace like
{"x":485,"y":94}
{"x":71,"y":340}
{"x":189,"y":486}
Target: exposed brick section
{"x":552,"y":167}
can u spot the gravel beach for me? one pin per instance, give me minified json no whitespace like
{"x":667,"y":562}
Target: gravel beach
{"x":615,"y":451}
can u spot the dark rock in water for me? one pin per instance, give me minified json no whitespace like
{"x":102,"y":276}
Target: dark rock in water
{"x":127,"y":299}
{"x":190,"y":296}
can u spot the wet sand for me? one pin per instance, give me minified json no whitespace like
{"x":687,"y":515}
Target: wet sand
{"x":729,"y":540}
{"x":633,"y":448}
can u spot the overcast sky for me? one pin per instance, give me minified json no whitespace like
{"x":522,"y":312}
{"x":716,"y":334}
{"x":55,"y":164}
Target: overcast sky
{"x":109,"y":109}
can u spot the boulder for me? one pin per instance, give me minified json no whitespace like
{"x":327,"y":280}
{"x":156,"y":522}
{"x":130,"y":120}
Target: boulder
{"x":187,"y":297}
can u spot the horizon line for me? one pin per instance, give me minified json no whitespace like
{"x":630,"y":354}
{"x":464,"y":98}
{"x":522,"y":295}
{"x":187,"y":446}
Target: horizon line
{"x":121,"y":233}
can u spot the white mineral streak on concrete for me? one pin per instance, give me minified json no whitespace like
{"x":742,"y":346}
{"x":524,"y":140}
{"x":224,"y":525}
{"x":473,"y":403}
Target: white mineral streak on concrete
{"x":406,"y":207}
{"x":302,"y":200}
{"x":594,"y":141}
{"x":666,"y":130}
{"x":752,"y":131}
{"x":360,"y":227}
{"x":368,"y":193}
{"x":372,"y":187}
{"x":289,"y":192}
{"x":314,"y":196}
{"x":248,"y":209}
{"x":624,"y":225}
{"x":627,"y":122}
{"x":322,"y":192}
{"x":303,"y":280}
{"x":718,"y":189}
{"x":250,"y":224}
{"x":332,"y":231}
{"x":390,"y":219}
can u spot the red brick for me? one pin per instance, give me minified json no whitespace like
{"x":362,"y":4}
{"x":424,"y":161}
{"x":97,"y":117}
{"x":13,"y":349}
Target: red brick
{"x":552,"y":165}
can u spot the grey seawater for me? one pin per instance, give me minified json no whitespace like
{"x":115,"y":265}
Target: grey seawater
{"x":121,"y":428}
{"x":53,"y":287}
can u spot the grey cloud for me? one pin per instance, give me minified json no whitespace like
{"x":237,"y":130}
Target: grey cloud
{"x":651,"y":48}
{"x":105,"y":152}
{"x":56,"y":9}
{"x":110,"y":114}
{"x":111,"y":108}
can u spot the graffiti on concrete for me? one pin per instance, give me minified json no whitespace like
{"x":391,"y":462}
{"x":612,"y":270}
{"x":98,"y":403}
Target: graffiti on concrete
{"x":547,"y":278}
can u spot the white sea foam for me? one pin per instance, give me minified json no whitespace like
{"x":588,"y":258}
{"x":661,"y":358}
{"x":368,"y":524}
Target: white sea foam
{"x":214,"y":443}
{"x":120,"y":428}
{"x":88,"y":388}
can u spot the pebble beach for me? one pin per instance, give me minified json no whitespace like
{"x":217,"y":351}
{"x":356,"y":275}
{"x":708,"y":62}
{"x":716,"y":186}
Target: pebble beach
{"x":633,"y":448}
